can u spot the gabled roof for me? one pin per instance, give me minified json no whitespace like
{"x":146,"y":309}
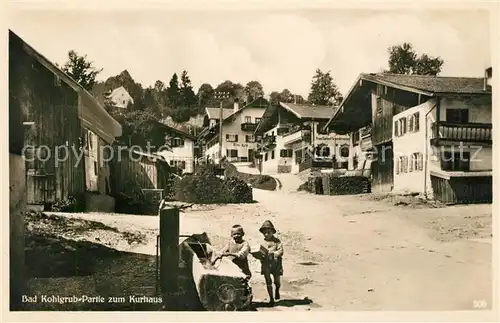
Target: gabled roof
{"x":121,"y":89}
{"x":213,"y":113}
{"x":305,"y":111}
{"x":431,"y":84}
{"x":257,"y":103}
{"x":421,"y":84}
{"x":178,"y":129}
{"x":92,"y":113}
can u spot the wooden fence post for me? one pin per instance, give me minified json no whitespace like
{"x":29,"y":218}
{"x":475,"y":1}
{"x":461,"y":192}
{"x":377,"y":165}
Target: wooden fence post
{"x":169,"y":256}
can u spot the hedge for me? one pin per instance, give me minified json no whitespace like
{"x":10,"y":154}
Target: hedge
{"x":263,"y":182}
{"x":205,"y":187}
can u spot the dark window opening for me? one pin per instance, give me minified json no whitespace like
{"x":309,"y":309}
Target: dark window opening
{"x":455,"y":161}
{"x":457,"y":115}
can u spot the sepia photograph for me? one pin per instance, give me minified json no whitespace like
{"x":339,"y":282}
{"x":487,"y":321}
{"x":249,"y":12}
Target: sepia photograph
{"x":285,"y":159}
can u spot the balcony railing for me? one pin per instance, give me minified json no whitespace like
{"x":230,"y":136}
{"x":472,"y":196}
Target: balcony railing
{"x":468,"y":132}
{"x":248,"y":126}
{"x":297,"y":135}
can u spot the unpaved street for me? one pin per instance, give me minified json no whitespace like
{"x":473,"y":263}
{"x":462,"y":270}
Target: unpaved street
{"x":354,"y":252}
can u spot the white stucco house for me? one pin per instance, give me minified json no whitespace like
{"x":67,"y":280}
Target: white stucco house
{"x":238,"y":125}
{"x":292,"y":139}
{"x":120,"y":97}
{"x":179,"y":152}
{"x":427,"y":134}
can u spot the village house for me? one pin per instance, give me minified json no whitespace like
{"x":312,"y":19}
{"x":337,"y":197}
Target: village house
{"x":120,"y":98}
{"x":68,"y":133}
{"x":293,"y":140}
{"x":238,"y":125}
{"x":180,"y":153}
{"x":425,"y":134}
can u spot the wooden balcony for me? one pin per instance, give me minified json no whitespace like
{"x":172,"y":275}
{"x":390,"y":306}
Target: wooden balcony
{"x":248,"y":126}
{"x":446,"y":132}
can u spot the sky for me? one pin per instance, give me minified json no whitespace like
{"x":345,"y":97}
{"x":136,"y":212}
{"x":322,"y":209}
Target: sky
{"x":280,"y":49}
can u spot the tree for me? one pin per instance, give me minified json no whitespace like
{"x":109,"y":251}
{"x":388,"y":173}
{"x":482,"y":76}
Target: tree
{"x":205,"y":95}
{"x":287,"y":96}
{"x":173,"y":92}
{"x":274,"y":97}
{"x":253,"y":90}
{"x":188,"y":97}
{"x":403,"y":59}
{"x":81,"y":70}
{"x":323,"y":90}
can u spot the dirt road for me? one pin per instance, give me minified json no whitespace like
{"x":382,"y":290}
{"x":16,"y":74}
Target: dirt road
{"x":355,"y":252}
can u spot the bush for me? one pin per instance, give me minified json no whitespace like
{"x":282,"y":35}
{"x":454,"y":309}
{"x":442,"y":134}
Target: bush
{"x":263,"y":182}
{"x":202,"y":189}
{"x":206,"y":188}
{"x":239,"y":191}
{"x":71,"y":204}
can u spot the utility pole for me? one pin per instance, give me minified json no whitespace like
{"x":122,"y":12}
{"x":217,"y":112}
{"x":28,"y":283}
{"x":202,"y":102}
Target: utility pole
{"x":221,"y":96}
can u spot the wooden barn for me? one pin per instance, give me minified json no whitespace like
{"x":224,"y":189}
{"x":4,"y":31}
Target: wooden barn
{"x":59,"y":117}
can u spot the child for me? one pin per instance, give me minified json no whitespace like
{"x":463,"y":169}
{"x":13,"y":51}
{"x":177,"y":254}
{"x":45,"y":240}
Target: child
{"x":238,"y":249}
{"x":272,"y":262}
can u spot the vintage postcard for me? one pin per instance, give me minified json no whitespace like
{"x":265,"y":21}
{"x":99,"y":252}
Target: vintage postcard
{"x":266,"y":159}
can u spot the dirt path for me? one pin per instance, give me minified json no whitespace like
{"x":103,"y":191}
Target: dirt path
{"x":354,"y":253}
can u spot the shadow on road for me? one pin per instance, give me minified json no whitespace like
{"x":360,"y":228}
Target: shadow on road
{"x":283,"y":302}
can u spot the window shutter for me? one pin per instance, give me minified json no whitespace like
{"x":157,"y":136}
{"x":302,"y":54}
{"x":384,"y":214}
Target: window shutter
{"x":227,"y":136}
{"x":236,"y":138}
{"x":397,"y":165}
{"x":412,"y":159}
{"x":410,"y":123}
{"x":416,"y":126}
{"x":396,"y":128}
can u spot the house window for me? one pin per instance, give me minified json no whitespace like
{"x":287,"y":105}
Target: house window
{"x":402,"y":127}
{"x":355,"y":137}
{"x":455,"y":161}
{"x":410,"y":123}
{"x":344,"y":151}
{"x":286,"y":153}
{"x":272,"y":154}
{"x":257,"y":120}
{"x":95,"y":168}
{"x":172,"y":162}
{"x":396,"y":128}
{"x":403,"y":165}
{"x":266,"y":157}
{"x":298,"y":156}
{"x":416,"y":162}
{"x":457,"y":115}
{"x":248,"y":119}
{"x":250,"y":138}
{"x":355,"y":162}
{"x":233,"y":153}
{"x":416,"y":122}
{"x":177,"y":142}
{"x":231,"y":138}
{"x":322,"y":151}
{"x":398,"y":162}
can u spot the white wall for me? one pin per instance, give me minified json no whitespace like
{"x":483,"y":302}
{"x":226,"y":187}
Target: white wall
{"x":406,"y":145}
{"x":234,"y":128}
{"x":271,"y":165}
{"x":420,"y":181}
{"x":184,"y":153}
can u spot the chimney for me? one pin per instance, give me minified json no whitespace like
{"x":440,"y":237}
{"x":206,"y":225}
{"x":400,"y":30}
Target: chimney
{"x":488,"y":74}
{"x":236,"y":106}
